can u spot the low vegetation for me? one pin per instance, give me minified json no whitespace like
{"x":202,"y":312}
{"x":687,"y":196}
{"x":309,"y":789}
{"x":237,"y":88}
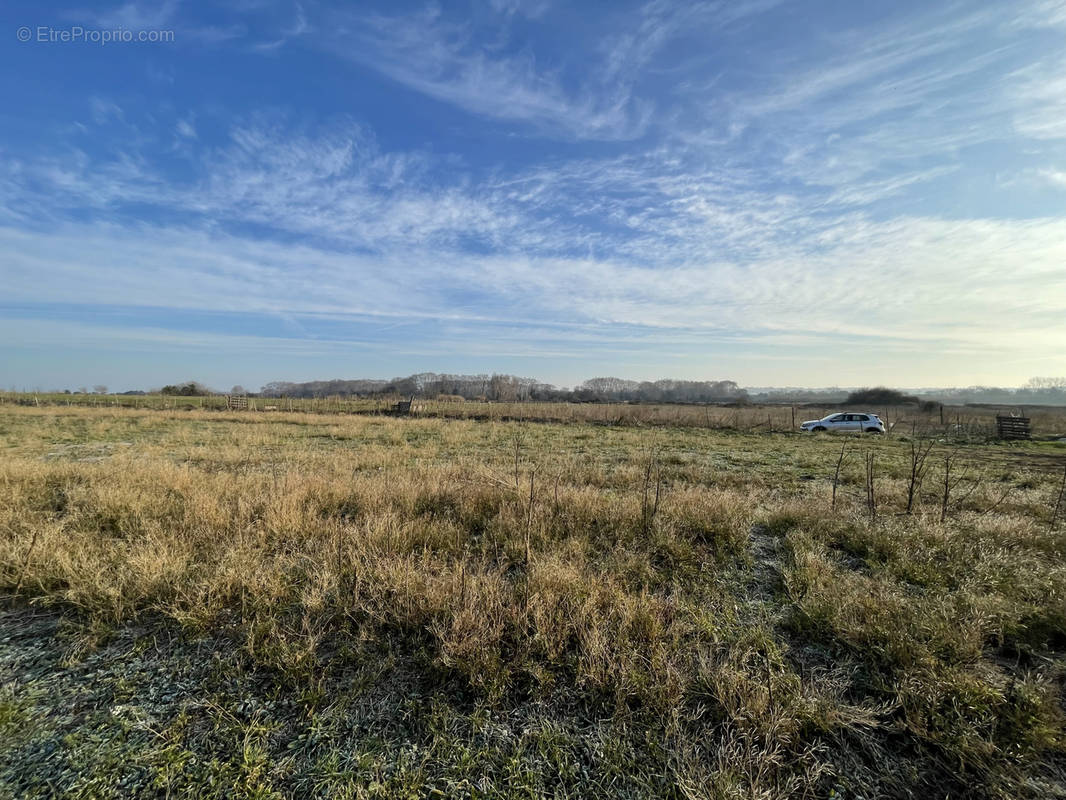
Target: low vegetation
{"x":212,"y":604}
{"x":880,"y":397}
{"x":975,"y":422}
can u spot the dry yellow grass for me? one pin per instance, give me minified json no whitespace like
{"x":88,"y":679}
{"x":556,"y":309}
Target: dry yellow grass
{"x":972,"y":421}
{"x":769,"y":647}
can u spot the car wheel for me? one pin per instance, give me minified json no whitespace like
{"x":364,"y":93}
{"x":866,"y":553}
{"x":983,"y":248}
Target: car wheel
{"x":874,"y":430}
{"x":819,"y":428}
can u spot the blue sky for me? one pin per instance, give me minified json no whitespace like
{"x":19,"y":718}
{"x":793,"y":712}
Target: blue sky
{"x":774,"y":192}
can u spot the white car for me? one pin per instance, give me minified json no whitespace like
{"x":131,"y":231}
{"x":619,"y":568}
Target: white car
{"x":854,"y":423}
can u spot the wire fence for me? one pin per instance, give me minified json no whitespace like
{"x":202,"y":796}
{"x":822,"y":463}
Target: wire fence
{"x":958,"y":422}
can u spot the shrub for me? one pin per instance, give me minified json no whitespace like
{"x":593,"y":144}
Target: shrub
{"x":879,"y":396}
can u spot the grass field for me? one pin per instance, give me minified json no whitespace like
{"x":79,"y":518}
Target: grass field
{"x":210,"y":604}
{"x":969,"y":421}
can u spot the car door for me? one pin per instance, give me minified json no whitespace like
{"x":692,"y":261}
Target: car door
{"x":850,"y":423}
{"x":837,"y":422}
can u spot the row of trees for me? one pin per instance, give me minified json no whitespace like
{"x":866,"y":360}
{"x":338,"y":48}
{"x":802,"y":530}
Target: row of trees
{"x":98,"y":389}
{"x":512,"y":388}
{"x":1037,"y":391}
{"x":661,"y":391}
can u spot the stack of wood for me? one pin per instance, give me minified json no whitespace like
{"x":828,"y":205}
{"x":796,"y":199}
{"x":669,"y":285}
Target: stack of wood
{"x":1013,"y":427}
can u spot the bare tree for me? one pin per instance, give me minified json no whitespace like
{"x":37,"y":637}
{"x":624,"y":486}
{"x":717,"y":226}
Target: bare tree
{"x":517,"y":440}
{"x":950,"y":486}
{"x":653,"y":491}
{"x":1058,"y":501}
{"x":836,"y":475}
{"x":948,"y":459}
{"x":1046,"y":383}
{"x":871,"y":497}
{"x":99,"y":389}
{"x":529,"y":515}
{"x":918,"y":455}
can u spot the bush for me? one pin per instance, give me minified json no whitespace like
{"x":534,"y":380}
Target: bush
{"x":879,"y":396}
{"x":190,"y":389}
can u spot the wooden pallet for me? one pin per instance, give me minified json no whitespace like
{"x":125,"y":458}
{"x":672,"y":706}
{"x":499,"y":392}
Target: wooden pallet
{"x":1013,"y":427}
{"x":406,"y":408}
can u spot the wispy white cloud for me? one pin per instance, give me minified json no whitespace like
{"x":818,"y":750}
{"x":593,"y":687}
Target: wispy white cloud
{"x":923,"y":281}
{"x":299,"y":27}
{"x":453,"y":62}
{"x":1041,"y":92}
{"x":186,"y":129}
{"x":768,"y":213}
{"x":857,"y":58}
{"x":337,"y":185}
{"x":103,"y":110}
{"x":214,"y":35}
{"x":534,"y":9}
{"x":444,"y":60}
{"x":1039,"y":14}
{"x":872,"y":113}
{"x":133,"y":15}
{"x":1056,"y":177}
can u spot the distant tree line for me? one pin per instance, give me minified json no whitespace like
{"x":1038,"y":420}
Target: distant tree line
{"x":187,"y":389}
{"x":661,"y":391}
{"x":1037,"y":391}
{"x":512,"y":388}
{"x":993,"y":395}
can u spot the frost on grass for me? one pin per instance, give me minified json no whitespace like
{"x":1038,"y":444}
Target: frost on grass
{"x":329,"y":606}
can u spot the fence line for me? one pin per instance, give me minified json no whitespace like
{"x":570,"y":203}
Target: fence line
{"x":960,"y":422}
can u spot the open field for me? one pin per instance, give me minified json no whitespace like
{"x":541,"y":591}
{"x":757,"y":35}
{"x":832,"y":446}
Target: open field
{"x":969,"y":421}
{"x":210,"y":604}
